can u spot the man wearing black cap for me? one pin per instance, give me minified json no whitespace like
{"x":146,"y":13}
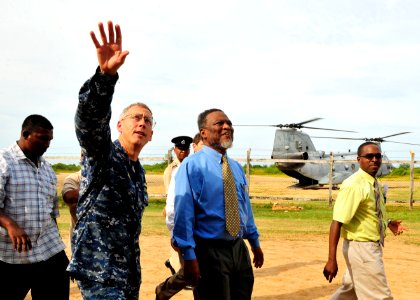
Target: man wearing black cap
{"x":182,"y":150}
{"x":174,"y":283}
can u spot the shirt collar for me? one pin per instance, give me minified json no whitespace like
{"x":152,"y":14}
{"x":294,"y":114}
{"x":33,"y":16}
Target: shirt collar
{"x":217,"y":156}
{"x":369,"y":178}
{"x":17,"y":151}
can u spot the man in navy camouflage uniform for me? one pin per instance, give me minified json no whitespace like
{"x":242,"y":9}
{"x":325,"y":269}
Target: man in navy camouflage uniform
{"x":113,"y":194}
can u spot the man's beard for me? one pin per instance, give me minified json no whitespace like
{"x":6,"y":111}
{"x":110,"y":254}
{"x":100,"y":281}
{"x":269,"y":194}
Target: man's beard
{"x":224,"y":145}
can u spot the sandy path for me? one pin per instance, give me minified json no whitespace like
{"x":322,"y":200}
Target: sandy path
{"x":292,"y":270}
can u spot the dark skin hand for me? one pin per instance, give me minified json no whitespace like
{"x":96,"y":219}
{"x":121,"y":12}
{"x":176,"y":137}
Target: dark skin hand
{"x":331,"y":267}
{"x":17,"y":235}
{"x":258,"y":257}
{"x":396,"y":227}
{"x":192,"y":272}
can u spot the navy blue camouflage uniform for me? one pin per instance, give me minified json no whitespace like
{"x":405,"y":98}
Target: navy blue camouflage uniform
{"x":113,"y":196}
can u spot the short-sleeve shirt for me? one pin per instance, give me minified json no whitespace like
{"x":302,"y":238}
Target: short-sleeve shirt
{"x":71,"y":182}
{"x":28,"y":195}
{"x":355,"y":207}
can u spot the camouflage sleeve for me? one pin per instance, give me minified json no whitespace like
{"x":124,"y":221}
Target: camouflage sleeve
{"x":4,"y":175}
{"x":94,"y":113}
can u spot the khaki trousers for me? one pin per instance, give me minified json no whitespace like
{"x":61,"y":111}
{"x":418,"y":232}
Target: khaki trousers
{"x":365,"y":275}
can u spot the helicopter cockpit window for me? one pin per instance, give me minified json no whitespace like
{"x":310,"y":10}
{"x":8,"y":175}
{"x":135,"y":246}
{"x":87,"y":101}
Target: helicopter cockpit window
{"x":299,"y":145}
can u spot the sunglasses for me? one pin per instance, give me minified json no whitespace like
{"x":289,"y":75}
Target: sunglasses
{"x":370,"y":156}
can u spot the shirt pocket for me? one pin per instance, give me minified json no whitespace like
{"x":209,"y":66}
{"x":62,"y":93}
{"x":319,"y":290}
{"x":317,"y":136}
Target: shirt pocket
{"x":242,"y":190}
{"x":49,"y":193}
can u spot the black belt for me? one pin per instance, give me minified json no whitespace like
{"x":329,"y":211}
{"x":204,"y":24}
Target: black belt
{"x":216,"y":242}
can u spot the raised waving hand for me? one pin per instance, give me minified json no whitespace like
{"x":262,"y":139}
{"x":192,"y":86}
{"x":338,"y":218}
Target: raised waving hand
{"x":110,"y":54}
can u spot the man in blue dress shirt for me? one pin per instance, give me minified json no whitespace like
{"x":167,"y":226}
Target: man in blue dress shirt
{"x":216,"y":262}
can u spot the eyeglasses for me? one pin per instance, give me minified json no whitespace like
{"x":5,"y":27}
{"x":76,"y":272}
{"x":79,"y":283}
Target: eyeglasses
{"x":370,"y":156}
{"x":138,"y":117}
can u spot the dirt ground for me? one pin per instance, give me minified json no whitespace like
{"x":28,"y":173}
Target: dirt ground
{"x":292,"y":268}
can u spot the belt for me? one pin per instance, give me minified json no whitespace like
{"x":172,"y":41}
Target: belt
{"x":216,"y":242}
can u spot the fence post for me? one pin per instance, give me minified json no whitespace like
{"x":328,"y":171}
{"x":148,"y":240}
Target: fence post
{"x":412,"y":154}
{"x":248,"y":166}
{"x":330,"y":179}
{"x":169,"y":156}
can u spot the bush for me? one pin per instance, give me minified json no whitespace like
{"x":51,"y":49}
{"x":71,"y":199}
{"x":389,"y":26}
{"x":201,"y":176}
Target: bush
{"x":156,"y":168}
{"x":403,"y":170}
{"x":65,"y":168}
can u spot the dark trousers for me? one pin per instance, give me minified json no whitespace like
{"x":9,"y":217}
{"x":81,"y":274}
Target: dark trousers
{"x":226,"y":270}
{"x":93,"y":290}
{"x":47,"y":280}
{"x":173,"y":284}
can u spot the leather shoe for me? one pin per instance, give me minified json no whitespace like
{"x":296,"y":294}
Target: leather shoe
{"x":169,"y":266}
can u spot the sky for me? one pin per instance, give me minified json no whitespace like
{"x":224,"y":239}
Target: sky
{"x":354,"y":63}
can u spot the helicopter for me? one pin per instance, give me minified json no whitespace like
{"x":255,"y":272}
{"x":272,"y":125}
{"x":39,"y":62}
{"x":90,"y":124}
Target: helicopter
{"x":290,"y":142}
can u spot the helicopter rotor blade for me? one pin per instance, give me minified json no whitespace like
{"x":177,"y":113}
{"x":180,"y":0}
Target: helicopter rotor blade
{"x":258,"y":125}
{"x":309,"y":121}
{"x":382,"y":139}
{"x":278,"y":125}
{"x":328,"y":129}
{"x":299,"y":125}
{"x":378,"y":140}
{"x":401,"y":143}
{"x":336,"y":137}
{"x":405,"y":132}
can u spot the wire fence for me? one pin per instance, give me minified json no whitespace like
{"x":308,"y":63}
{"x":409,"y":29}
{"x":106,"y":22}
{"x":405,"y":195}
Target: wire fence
{"x":275,"y":188}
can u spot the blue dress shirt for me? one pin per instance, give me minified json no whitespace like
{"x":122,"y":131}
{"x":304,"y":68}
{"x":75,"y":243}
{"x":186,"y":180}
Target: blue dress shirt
{"x":200,"y":205}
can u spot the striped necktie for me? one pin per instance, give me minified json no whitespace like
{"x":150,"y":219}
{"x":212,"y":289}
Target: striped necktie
{"x":231,"y":199}
{"x":379,"y":213}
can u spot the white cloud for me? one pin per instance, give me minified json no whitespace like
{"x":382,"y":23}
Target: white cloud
{"x":354,"y":63}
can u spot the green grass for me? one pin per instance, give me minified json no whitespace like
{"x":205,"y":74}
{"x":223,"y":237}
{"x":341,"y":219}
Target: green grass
{"x":311,"y":222}
{"x":270,"y":170}
{"x":402,"y":172}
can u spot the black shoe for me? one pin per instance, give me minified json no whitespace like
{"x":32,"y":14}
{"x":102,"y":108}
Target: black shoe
{"x":169,"y":266}
{"x":188,"y":288}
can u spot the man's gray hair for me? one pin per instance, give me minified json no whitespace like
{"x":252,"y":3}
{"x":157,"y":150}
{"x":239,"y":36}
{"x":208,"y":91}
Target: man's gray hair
{"x":125,"y":110}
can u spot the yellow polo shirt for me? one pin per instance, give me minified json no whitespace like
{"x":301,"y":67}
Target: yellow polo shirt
{"x":355,"y":207}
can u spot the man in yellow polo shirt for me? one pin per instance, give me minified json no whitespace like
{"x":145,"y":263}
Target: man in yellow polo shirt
{"x":357,"y":218}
